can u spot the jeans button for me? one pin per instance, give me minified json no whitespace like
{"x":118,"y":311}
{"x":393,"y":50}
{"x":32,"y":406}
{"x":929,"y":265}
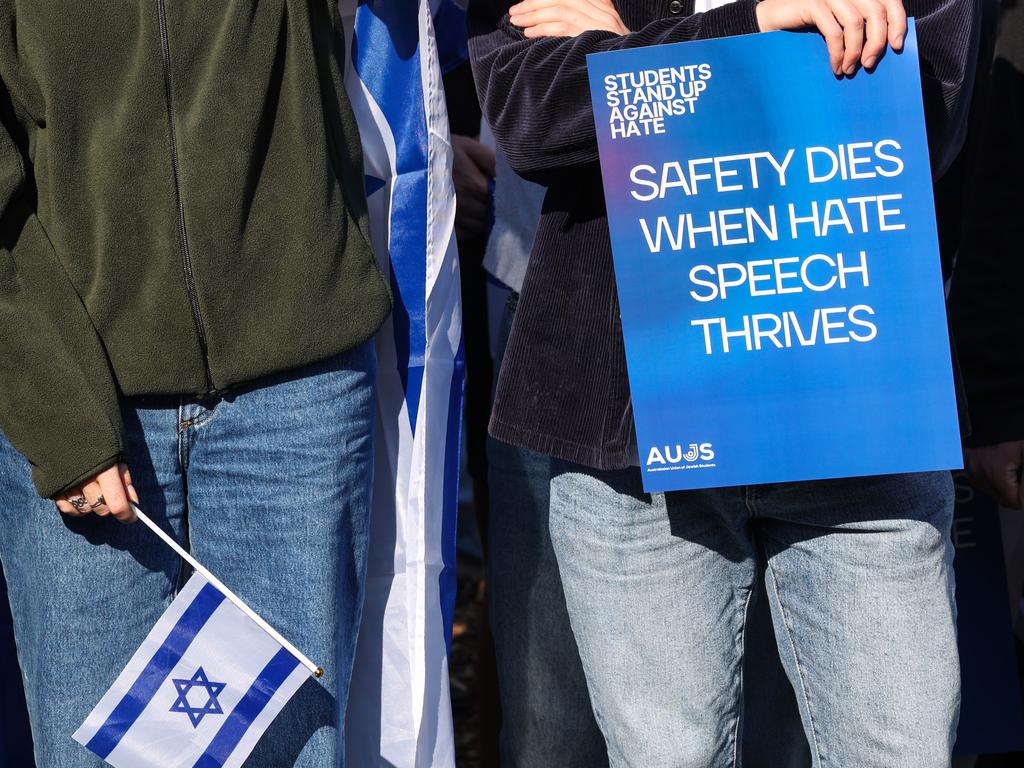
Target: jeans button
{"x":675,"y":7}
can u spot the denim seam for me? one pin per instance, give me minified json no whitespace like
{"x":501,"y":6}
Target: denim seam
{"x":742,"y":640}
{"x":201,"y":420}
{"x":183,"y":425}
{"x":796,"y":661}
{"x":176,"y":585}
{"x":750,"y":500}
{"x":195,"y":422}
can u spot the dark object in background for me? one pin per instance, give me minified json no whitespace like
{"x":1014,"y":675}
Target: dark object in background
{"x":991,"y":709}
{"x":987,"y":289}
{"x":464,"y":120}
{"x":987,"y":294}
{"x":15,"y":735}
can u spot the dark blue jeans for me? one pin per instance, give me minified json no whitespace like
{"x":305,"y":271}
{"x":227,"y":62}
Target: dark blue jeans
{"x":15,"y":738}
{"x":545,"y":707}
{"x":270,"y":489}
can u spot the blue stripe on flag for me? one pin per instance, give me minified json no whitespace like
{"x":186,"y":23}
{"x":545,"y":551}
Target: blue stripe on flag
{"x":156,"y":671}
{"x":248,"y":708}
{"x":450,"y":510}
{"x":409,"y":283}
{"x":385,"y":53}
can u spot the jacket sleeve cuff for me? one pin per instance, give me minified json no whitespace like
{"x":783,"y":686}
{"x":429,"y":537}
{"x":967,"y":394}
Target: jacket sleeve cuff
{"x":51,"y":482}
{"x":729,"y":20}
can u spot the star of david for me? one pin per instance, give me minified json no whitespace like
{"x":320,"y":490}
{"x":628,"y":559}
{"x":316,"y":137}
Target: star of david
{"x":183,"y":704}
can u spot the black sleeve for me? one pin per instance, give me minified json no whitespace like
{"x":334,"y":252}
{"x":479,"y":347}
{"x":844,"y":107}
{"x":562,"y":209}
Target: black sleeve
{"x":535,"y":92}
{"x":460,"y":95}
{"x":947,"y":39}
{"x":987,"y":294}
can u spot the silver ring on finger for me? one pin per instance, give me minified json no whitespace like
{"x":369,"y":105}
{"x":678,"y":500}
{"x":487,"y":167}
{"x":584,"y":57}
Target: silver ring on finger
{"x":100,"y":501}
{"x":79,"y":503}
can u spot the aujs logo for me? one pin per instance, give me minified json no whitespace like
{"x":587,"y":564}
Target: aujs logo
{"x":675,"y":454}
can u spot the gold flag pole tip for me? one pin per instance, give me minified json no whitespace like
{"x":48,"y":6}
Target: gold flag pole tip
{"x":318,"y":673}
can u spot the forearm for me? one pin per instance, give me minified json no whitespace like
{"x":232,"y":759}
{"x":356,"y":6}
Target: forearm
{"x":535,"y":92}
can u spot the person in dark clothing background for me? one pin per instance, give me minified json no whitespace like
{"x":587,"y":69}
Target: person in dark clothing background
{"x":987,"y":291}
{"x":987,"y":297}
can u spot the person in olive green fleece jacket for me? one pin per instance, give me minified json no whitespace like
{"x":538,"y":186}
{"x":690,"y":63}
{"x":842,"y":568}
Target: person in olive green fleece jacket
{"x":187,"y":294}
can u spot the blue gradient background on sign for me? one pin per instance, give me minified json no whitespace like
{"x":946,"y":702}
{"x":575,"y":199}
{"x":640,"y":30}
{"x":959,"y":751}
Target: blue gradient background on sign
{"x":801,"y":413}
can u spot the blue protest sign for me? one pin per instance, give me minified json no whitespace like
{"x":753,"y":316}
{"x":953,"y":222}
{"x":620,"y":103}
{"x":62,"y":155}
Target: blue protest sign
{"x":776,"y":259}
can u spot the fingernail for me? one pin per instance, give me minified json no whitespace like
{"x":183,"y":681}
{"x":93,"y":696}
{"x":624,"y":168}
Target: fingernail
{"x":898,"y":42}
{"x":850,"y":70}
{"x":870,"y":61}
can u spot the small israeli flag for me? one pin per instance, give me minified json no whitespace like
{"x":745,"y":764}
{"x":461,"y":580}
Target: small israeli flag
{"x":202,"y":688}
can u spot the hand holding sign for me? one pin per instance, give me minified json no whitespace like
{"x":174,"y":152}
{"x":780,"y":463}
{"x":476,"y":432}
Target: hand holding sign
{"x":854,"y":30}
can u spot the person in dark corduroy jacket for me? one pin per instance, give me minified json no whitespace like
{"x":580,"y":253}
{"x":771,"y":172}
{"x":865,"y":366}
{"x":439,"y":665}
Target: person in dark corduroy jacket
{"x":858,"y":571}
{"x":187,"y":303}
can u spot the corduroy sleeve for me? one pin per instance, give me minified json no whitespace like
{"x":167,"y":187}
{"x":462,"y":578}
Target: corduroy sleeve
{"x":535,"y":93}
{"x":947,"y":41}
{"x":58,"y":399}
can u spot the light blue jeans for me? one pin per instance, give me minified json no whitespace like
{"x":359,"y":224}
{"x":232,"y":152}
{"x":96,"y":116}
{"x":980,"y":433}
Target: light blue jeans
{"x":860,"y":585}
{"x":546,"y":717}
{"x":270,"y":488}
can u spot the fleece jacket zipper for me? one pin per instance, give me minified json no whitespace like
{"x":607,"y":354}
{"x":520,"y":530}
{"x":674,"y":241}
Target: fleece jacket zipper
{"x":186,"y":256}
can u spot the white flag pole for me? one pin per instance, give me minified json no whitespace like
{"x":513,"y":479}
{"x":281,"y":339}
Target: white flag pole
{"x":317,"y":671}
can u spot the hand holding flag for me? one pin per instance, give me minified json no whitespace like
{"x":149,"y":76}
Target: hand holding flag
{"x":203,"y":687}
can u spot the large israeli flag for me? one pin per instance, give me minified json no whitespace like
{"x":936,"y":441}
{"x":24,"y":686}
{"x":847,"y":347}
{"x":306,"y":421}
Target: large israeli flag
{"x":399,"y":710}
{"x":188,"y":697}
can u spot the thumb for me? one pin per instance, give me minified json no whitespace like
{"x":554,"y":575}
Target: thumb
{"x":126,"y":481}
{"x":112,"y":486}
